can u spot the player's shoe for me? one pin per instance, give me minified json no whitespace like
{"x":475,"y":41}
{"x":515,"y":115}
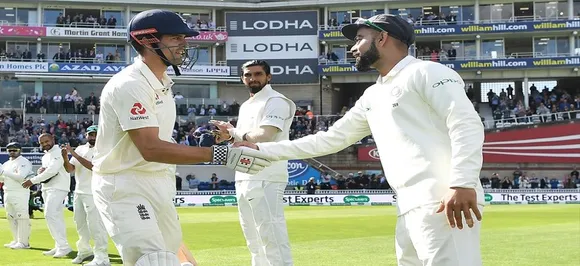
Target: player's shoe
{"x":10,"y":244}
{"x":50,"y":252}
{"x":61,"y":253}
{"x":20,"y":246}
{"x":80,"y":258}
{"x":98,"y":263}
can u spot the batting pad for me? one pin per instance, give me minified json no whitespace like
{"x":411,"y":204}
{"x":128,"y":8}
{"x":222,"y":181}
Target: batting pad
{"x":161,"y":258}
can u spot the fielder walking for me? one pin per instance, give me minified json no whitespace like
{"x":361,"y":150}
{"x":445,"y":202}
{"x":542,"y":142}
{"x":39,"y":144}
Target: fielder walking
{"x":131,"y":186}
{"x":13,"y":173}
{"x":430,"y":141}
{"x":55,"y":187}
{"x":265,"y":117}
{"x":87,"y":219}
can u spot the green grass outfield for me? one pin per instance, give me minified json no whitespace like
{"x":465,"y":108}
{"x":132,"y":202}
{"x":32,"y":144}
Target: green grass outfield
{"x":513,"y":235}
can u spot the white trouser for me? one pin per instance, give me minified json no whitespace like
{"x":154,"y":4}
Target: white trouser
{"x":54,"y":216}
{"x":90,"y":225}
{"x":261,"y":211}
{"x":16,"y":204}
{"x":424,"y":238}
{"x":138,"y":212}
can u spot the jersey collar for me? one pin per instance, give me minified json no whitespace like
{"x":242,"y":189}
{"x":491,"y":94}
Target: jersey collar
{"x":396,"y":69}
{"x":152,"y":79}
{"x":262,"y":93}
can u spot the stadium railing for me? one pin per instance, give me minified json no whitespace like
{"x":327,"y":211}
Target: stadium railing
{"x":375,"y":191}
{"x":514,"y":121}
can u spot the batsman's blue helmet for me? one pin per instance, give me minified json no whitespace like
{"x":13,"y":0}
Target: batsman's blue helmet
{"x":148,"y":26}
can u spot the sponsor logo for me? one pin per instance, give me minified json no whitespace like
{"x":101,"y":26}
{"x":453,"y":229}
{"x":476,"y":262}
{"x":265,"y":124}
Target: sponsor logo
{"x":374,"y":153}
{"x":297,"y":168}
{"x":138,"y":109}
{"x":245,"y":161}
{"x":223,"y":200}
{"x":356,"y":199}
{"x":488,"y":197}
{"x":445,"y":81}
{"x":307,"y":200}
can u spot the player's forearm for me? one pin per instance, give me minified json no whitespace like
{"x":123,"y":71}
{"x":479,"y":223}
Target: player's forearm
{"x":67,"y":165}
{"x":259,"y":135}
{"x":84,"y":162}
{"x":170,"y":153}
{"x":14,"y":176}
{"x":467,"y":137}
{"x":320,"y":144}
{"x":48,"y":173}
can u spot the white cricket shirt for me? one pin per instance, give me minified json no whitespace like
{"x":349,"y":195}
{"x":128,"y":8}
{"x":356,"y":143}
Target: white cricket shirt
{"x":133,"y":98}
{"x":83,"y":176}
{"x":53,"y":163}
{"x":15,"y":170}
{"x":428,"y":134}
{"x":267,"y":108}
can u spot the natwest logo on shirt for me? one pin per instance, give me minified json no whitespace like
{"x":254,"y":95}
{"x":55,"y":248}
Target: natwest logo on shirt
{"x":138,"y":112}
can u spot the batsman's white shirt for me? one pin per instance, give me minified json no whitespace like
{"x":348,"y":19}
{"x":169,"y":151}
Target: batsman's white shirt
{"x":267,"y":108}
{"x":134,"y":196}
{"x":15,"y":170}
{"x":53,"y":164}
{"x":83,"y":175}
{"x":427,"y":132}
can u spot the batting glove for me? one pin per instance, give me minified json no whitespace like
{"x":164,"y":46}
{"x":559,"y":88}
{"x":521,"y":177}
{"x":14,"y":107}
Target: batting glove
{"x":242,"y":159}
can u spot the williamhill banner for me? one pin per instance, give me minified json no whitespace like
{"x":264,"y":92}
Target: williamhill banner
{"x":471,"y":29}
{"x":340,"y":69}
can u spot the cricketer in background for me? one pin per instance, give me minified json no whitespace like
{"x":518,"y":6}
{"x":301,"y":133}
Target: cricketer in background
{"x":429,"y":138}
{"x":266,"y":116}
{"x":55,"y":187}
{"x":13,"y":173}
{"x":86,"y":216}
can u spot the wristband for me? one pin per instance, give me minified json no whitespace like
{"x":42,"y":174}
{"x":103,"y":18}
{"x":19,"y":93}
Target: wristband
{"x":220,"y":154}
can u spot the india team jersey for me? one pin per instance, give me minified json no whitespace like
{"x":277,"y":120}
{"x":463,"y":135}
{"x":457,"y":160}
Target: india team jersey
{"x":83,"y":175}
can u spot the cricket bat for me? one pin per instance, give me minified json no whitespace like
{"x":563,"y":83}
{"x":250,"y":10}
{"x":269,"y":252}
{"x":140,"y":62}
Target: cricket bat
{"x":185,"y":256}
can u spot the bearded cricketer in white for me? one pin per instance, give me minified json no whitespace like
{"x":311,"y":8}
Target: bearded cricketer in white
{"x":430,"y":141}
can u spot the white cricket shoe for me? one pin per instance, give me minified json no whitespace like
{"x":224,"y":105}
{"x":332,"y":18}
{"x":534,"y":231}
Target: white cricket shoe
{"x":98,"y":263}
{"x":50,"y":252}
{"x":10,"y":244}
{"x":61,"y":253}
{"x":20,"y":246}
{"x":82,"y":258}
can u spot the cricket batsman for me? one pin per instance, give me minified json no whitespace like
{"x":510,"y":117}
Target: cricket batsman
{"x":55,"y":187}
{"x":430,"y":141}
{"x":134,"y":150}
{"x":265,"y":117}
{"x":13,"y":173}
{"x":87,"y":219}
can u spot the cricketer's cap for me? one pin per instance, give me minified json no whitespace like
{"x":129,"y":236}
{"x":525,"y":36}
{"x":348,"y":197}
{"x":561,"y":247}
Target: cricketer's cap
{"x":159,"y":22}
{"x":92,"y":129}
{"x":396,"y":26}
{"x":13,"y":145}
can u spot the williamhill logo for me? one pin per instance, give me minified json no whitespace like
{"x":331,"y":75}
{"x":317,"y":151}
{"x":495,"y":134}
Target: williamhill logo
{"x":338,"y":69}
{"x":493,"y":64}
{"x":331,"y":34}
{"x":497,"y":27}
{"x":557,"y":25}
{"x":556,"y":62}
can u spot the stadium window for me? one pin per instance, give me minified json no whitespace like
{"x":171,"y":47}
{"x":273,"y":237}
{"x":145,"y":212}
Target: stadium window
{"x":524,"y":11}
{"x":87,"y":18}
{"x":118,"y":15}
{"x":576,"y":8}
{"x":203,"y":55}
{"x":577,"y":49}
{"x":370,"y":13}
{"x":49,"y":16}
{"x":492,"y":49}
{"x":50,"y":49}
{"x":117,"y":51}
{"x":7,"y":16}
{"x":552,"y":46}
{"x":415,"y":12}
{"x":496,"y":87}
{"x":551,"y":10}
{"x":27,"y":17}
{"x":192,"y":90}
